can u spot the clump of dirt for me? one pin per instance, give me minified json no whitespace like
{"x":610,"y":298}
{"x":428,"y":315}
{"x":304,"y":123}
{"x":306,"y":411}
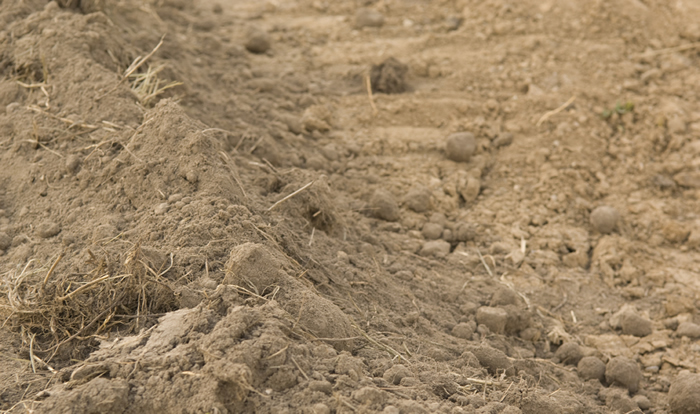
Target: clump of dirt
{"x":203,"y":210}
{"x":389,"y":76}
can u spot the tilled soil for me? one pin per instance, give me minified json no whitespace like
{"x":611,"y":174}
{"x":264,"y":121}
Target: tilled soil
{"x":397,"y":206}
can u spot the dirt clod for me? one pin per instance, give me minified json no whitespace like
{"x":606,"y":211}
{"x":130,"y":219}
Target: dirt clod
{"x":569,"y":353}
{"x":365,"y":17}
{"x":689,"y":329}
{"x":624,"y":372}
{"x":5,"y":241}
{"x":396,"y":373}
{"x":389,"y":76}
{"x":493,"y":318}
{"x":494,"y":360}
{"x":503,"y":140}
{"x":464,"y":330}
{"x":684,"y":394}
{"x":634,"y":324}
{"x":432,"y":231}
{"x":591,"y":368}
{"x":604,"y":219}
{"x":435,"y":248}
{"x":383,"y":205}
{"x":459,"y":147}
{"x":47,"y":229}
{"x":418,"y":199}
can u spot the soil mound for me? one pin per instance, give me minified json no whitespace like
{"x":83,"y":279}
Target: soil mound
{"x":230,"y":207}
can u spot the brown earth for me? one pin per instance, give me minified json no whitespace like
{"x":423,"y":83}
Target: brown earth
{"x":264,"y":212}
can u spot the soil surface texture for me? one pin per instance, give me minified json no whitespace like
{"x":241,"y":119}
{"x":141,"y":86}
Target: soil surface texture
{"x":359,"y":206}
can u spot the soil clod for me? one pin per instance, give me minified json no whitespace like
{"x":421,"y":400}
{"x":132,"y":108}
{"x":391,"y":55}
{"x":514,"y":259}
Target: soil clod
{"x":389,"y":76}
{"x":460,"y":146}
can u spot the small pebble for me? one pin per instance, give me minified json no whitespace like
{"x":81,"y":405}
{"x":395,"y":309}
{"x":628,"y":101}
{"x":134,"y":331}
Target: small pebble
{"x":47,"y":230}
{"x":493,"y":318}
{"x":368,"y":18}
{"x":383,"y":205}
{"x":569,"y":353}
{"x":590,"y":368}
{"x":604,"y":219}
{"x":258,"y":42}
{"x":684,"y":394}
{"x":624,"y":372}
{"x":689,"y":329}
{"x":460,"y":146}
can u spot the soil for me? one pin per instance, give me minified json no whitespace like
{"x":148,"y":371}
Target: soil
{"x":220,"y":207}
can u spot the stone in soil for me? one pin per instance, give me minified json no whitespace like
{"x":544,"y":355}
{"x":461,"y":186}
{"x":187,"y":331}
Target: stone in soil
{"x":590,"y":368}
{"x":368,"y":18}
{"x":604,"y":219}
{"x":384,"y":206}
{"x":258,"y":42}
{"x":684,"y":394}
{"x":460,"y":146}
{"x":624,"y":372}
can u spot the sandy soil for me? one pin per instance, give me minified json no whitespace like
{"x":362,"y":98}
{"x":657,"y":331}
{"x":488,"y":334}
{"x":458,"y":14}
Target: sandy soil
{"x":396,"y":206}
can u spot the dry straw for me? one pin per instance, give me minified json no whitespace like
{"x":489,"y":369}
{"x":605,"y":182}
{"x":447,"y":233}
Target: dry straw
{"x":52,"y":308}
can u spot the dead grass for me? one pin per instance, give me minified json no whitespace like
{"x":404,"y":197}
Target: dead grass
{"x":52,"y":308}
{"x":148,"y":86}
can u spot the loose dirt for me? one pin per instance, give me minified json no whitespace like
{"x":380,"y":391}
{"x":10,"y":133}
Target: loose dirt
{"x":452,"y":206}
